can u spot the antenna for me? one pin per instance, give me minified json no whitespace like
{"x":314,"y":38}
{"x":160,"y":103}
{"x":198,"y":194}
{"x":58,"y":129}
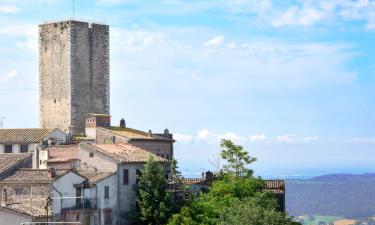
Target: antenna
{"x":74,"y":8}
{"x":2,"y":121}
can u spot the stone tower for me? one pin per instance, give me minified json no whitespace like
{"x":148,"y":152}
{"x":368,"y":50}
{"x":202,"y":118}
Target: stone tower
{"x":73,"y":73}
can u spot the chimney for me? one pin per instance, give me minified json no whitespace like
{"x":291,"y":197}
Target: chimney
{"x":4,"y":198}
{"x":122,"y":123}
{"x":166,"y":131}
{"x":149,"y":133}
{"x":52,"y":172}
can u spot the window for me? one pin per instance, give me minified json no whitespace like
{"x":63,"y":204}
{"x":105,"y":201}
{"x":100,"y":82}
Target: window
{"x":126,"y":177}
{"x":91,"y":154}
{"x":107,"y":217}
{"x":106,"y":192}
{"x":24,"y":148}
{"x":167,"y":156}
{"x":18,"y":193}
{"x":162,"y":155}
{"x":8,"y":149}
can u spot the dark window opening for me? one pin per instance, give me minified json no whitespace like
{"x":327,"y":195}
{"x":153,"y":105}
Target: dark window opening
{"x":162,"y":155}
{"x":8,"y":149}
{"x":167,"y":156}
{"x":91,"y":154}
{"x":126,"y":177}
{"x":108,"y":217}
{"x":24,"y":148}
{"x":106,"y":192}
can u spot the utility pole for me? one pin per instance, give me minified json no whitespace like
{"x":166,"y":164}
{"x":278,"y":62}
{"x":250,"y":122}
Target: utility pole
{"x":2,"y":121}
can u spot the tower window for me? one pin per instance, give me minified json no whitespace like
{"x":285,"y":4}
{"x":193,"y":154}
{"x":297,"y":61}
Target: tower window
{"x":55,"y":100}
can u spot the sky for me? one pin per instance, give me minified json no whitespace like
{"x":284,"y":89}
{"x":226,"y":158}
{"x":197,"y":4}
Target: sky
{"x":292,"y":81}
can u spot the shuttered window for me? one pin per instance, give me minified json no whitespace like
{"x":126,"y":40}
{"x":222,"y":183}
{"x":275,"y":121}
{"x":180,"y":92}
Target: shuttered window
{"x":126,"y":177}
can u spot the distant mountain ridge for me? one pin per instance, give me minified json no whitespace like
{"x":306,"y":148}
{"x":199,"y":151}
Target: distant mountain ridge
{"x":344,"y":177}
{"x":346,"y":195}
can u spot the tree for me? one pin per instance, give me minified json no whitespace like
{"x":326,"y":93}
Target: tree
{"x":238,"y":159}
{"x":176,"y":186}
{"x":256,"y":210}
{"x":153,"y":200}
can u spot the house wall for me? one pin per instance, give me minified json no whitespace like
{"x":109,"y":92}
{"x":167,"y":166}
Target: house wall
{"x":156,"y":147}
{"x":98,"y":161}
{"x":64,"y":187}
{"x":25,"y":191}
{"x":104,"y":136}
{"x":58,"y":134}
{"x":127,"y":194}
{"x":9,"y":217}
{"x":110,"y":203}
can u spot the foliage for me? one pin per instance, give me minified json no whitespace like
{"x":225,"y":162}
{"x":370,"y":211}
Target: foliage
{"x":258,"y":210}
{"x":236,"y":198}
{"x":153,"y":200}
{"x":176,"y":186}
{"x":238,"y":159}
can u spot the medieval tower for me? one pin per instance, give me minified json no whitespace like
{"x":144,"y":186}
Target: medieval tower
{"x":73,"y":73}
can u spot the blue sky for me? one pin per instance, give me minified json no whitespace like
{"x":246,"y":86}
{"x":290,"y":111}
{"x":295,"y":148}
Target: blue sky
{"x":292,"y":81}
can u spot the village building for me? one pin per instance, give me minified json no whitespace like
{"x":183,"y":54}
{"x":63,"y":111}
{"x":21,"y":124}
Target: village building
{"x":85,"y":196}
{"x":126,"y":161}
{"x":98,"y":126}
{"x":63,"y":157}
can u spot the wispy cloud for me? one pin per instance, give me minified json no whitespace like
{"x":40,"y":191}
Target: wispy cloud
{"x":8,"y":76}
{"x":207,"y":136}
{"x":9,"y":9}
{"x":364,"y":140}
{"x":215,"y":41}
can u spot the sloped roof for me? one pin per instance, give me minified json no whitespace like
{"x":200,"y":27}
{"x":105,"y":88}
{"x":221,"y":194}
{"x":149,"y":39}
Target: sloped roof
{"x":30,"y":207}
{"x":133,"y":134}
{"x":8,"y":160}
{"x":30,"y":135}
{"x":123,"y":153}
{"x":94,"y":176}
{"x":62,"y":153}
{"x":35,"y":176}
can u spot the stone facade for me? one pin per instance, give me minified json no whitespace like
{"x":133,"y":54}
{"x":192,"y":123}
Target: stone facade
{"x":74,"y":73}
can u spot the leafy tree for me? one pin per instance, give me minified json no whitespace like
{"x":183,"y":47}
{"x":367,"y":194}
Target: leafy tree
{"x":257,"y":210}
{"x":153,"y":200}
{"x":238,"y":159}
{"x":176,"y":186}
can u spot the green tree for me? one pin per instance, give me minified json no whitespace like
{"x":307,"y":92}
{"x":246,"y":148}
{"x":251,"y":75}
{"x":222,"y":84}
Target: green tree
{"x":257,"y":210}
{"x":153,"y":200}
{"x":176,"y":186}
{"x":238,"y":159}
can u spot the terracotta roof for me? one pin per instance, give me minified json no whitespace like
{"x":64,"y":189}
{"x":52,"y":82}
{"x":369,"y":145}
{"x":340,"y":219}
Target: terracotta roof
{"x":35,"y":176}
{"x":64,"y":153}
{"x":133,"y":134}
{"x":94,"y":176}
{"x":8,"y":160}
{"x":30,"y":207}
{"x":122,"y":153}
{"x":32,"y":135}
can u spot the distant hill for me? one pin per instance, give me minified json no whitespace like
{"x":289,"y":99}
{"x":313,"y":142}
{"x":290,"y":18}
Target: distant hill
{"x":346,"y":195}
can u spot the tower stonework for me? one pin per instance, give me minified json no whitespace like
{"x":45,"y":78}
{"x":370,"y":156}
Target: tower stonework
{"x":74,"y":73}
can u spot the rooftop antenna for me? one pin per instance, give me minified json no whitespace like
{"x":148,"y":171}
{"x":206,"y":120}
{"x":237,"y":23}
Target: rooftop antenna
{"x":74,"y":8}
{"x":2,"y":121}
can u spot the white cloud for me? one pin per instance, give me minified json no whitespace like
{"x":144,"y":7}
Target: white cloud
{"x":9,"y":9}
{"x":293,"y":139}
{"x":184,"y":138}
{"x":8,"y":76}
{"x":300,"y":17}
{"x":210,"y":137}
{"x":12,"y":74}
{"x":215,"y":41}
{"x":257,"y":137}
{"x":362,"y":140}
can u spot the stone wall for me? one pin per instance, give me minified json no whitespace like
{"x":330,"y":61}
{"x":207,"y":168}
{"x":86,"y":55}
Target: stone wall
{"x":74,"y":73}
